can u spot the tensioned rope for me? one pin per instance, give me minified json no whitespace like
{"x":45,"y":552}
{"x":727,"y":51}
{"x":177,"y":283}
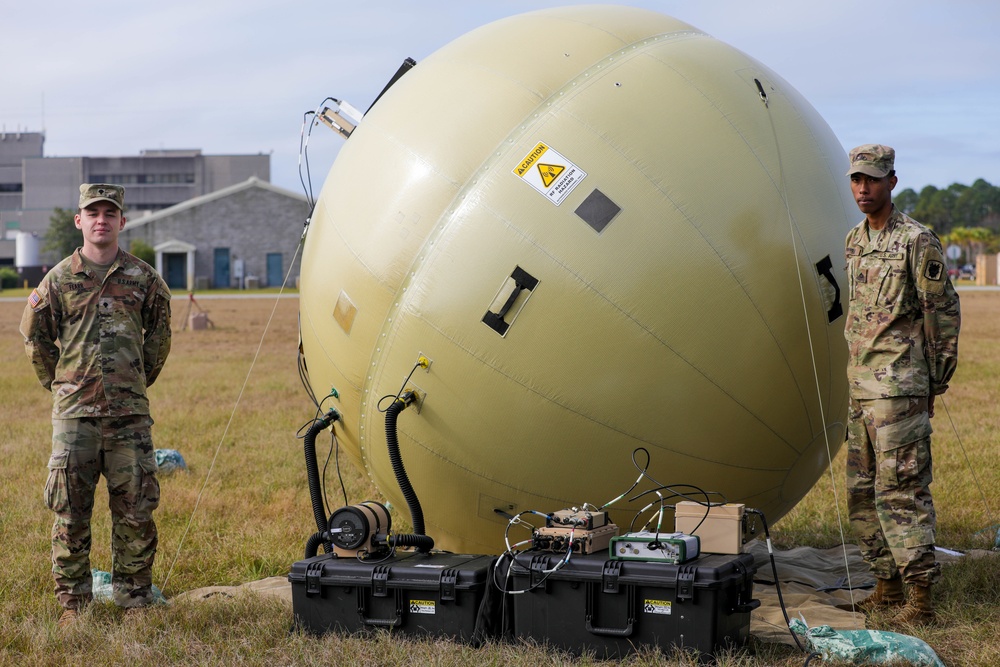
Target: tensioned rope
{"x":812,"y":351}
{"x":232,"y":416}
{"x":306,"y":180}
{"x":989,"y":511}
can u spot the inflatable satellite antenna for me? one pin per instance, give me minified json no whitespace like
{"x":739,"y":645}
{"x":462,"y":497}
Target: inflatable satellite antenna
{"x":608,"y":230}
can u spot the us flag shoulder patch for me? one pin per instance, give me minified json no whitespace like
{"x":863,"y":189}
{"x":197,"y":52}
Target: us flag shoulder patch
{"x":34,"y":298}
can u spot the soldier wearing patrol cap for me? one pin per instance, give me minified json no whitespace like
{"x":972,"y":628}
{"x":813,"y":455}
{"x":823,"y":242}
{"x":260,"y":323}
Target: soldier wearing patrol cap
{"x":902,"y":335}
{"x":97,"y":331}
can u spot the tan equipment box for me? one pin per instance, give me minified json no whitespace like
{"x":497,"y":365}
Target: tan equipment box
{"x":721,"y":532}
{"x":198,"y":321}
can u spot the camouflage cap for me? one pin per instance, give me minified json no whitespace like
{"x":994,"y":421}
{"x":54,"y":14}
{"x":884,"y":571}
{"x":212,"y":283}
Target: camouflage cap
{"x":872,"y":159}
{"x":92,"y":192}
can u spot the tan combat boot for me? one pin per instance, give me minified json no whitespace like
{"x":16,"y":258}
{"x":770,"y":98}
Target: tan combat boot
{"x":69,"y":618}
{"x":888,"y":593}
{"x":919,"y":609}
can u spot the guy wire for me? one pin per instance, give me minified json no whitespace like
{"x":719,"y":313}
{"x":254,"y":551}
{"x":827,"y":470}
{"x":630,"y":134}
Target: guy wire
{"x":812,"y":352}
{"x":989,"y":511}
{"x":232,"y":415}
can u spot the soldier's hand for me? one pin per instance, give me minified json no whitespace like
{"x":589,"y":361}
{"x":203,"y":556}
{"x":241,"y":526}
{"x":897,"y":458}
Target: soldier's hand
{"x":930,"y":406}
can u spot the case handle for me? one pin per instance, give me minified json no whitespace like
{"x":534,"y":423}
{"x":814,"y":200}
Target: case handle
{"x":611,"y":632}
{"x":380,"y":622}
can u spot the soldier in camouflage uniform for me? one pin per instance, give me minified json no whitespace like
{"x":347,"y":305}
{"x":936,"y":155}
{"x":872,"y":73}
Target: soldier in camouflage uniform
{"x":902,"y":335}
{"x":97,"y":331}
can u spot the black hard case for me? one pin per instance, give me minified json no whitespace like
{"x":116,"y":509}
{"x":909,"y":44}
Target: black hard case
{"x":594,"y":604}
{"x":419,"y":594}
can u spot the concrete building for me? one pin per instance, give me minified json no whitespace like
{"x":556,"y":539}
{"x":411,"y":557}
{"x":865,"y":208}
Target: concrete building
{"x":244,"y":235}
{"x":32,"y":185}
{"x":15,"y":148}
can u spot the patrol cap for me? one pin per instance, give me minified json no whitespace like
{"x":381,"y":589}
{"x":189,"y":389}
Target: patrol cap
{"x":93,"y":192}
{"x":872,"y":159}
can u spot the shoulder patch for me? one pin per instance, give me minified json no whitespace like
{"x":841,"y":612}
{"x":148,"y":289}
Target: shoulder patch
{"x":34,"y":298}
{"x":934,"y":270}
{"x":933,"y":275}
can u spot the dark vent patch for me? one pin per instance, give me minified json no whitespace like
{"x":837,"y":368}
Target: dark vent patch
{"x":597,"y":210}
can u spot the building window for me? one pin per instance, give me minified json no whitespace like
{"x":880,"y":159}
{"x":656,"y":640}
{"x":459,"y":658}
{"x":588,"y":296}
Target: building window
{"x":11,"y":187}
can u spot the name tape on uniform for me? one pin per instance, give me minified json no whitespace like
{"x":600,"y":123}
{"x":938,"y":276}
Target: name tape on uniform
{"x":549,"y":172}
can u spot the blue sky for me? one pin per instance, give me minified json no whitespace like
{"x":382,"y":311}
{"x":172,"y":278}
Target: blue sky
{"x":236,"y":77}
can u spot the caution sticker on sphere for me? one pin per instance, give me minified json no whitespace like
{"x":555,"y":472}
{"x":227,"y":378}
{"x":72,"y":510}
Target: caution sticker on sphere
{"x":422,"y":607}
{"x":549,"y":173}
{"x":656,"y":607}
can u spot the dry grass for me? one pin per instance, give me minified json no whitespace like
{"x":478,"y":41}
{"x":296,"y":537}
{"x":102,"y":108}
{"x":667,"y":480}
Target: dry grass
{"x":254,"y":515}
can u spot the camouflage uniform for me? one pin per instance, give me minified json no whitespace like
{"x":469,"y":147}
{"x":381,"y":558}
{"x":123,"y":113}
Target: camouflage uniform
{"x":97,"y":346}
{"x":902,"y":335}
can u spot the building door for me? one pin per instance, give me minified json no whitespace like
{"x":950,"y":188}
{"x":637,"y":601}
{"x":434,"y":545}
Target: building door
{"x":220,"y":274}
{"x":175,"y":267}
{"x":274,"y":273}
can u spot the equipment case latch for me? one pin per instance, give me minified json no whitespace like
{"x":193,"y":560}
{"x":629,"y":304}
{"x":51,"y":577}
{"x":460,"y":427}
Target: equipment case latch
{"x":380,"y":581}
{"x":609,"y":577}
{"x":448,"y":580}
{"x":537,"y":567}
{"x":313,"y":573}
{"x":685,"y":582}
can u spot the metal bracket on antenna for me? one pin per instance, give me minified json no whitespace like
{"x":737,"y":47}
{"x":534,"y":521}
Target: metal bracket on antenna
{"x":342,"y":119}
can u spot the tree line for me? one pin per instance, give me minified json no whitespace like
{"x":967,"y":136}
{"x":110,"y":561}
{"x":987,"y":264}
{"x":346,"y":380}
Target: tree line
{"x":963,"y":215}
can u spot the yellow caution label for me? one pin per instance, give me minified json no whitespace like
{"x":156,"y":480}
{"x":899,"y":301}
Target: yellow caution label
{"x":657,"y":607}
{"x":549,"y":172}
{"x":422,"y":607}
{"x":555,"y":177}
{"x":530,"y":159}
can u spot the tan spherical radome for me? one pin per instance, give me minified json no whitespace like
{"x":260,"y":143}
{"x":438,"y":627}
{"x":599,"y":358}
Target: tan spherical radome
{"x":606,"y":230}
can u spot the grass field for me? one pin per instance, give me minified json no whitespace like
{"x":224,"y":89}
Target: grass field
{"x":254,"y":514}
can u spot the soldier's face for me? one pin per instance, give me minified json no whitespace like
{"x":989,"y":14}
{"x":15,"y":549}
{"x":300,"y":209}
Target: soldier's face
{"x":100,"y":223}
{"x":872,"y":194}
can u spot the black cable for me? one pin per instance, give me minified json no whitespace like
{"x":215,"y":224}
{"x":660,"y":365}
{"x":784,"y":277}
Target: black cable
{"x":334,"y":442}
{"x":336,"y":446}
{"x":304,"y":137}
{"x":399,"y":393}
{"x":777,"y":583}
{"x":312,"y":474}
{"x":326,"y":464}
{"x":307,"y":188}
{"x":512,"y":555}
{"x":678,"y":494}
{"x":312,"y":544}
{"x":422,"y":543}
{"x":396,"y":459}
{"x":304,"y":376}
{"x":642,"y":473}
